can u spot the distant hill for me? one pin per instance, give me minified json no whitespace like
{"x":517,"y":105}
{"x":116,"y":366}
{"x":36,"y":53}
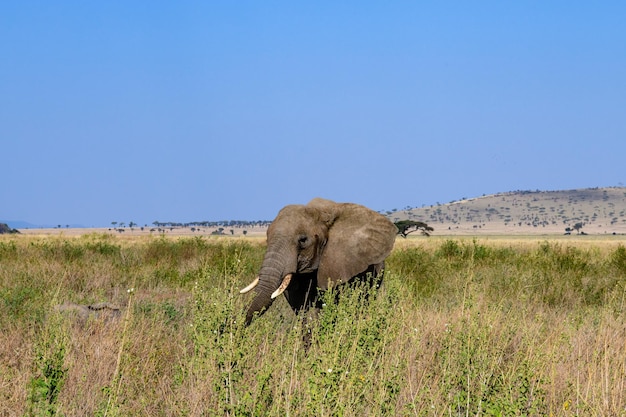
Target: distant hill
{"x":4,"y":229}
{"x":20,"y":224}
{"x":600,"y":210}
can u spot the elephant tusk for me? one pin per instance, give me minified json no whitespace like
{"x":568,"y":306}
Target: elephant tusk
{"x":283,"y":286}
{"x":251,"y":286}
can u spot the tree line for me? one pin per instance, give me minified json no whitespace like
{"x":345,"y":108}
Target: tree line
{"x":220,"y":223}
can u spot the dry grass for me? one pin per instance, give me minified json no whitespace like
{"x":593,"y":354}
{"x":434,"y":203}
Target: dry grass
{"x":498,"y":326}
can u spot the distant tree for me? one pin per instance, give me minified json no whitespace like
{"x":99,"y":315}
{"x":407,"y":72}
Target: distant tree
{"x":577,"y":227}
{"x":114,"y":224}
{"x":405,"y":227}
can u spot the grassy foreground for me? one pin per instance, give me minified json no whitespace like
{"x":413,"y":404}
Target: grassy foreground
{"x":460,"y":327}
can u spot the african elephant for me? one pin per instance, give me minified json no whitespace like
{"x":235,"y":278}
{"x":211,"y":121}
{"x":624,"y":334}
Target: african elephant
{"x":312,"y":247}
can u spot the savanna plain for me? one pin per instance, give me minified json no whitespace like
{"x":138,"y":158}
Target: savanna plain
{"x":461,"y":326}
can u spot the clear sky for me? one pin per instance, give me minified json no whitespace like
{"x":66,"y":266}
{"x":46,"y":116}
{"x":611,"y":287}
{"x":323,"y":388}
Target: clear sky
{"x":209,"y":110}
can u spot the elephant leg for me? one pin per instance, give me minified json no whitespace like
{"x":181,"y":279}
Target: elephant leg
{"x":371,"y":279}
{"x":373,"y":275}
{"x":302,"y":296}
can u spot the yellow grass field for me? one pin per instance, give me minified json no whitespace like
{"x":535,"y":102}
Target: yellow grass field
{"x":495,"y":325}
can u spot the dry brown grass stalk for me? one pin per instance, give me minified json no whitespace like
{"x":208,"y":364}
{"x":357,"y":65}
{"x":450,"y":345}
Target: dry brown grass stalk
{"x":463,"y":326}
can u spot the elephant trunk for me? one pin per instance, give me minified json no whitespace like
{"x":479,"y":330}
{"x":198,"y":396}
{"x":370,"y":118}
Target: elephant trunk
{"x":272,"y":272}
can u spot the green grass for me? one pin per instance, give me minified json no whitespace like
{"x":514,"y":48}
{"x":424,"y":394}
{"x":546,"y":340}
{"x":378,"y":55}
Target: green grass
{"x":460,"y":327}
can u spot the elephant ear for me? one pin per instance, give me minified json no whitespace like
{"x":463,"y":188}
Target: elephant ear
{"x":358,"y":238}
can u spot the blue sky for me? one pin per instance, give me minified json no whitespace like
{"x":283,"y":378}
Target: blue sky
{"x":188,"y":111}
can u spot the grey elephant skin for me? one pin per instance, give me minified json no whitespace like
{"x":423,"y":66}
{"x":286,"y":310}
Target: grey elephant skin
{"x":313,"y":247}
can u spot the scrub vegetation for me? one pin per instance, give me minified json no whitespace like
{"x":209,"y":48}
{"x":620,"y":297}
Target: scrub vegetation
{"x":460,"y":327}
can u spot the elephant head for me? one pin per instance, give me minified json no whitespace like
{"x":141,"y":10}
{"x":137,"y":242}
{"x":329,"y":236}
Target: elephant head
{"x":316,"y":246}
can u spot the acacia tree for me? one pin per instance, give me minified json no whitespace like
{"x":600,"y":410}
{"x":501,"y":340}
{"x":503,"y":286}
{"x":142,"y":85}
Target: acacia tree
{"x":578,"y":226}
{"x":409,"y":226}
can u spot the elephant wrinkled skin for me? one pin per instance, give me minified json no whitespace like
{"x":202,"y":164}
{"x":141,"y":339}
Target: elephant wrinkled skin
{"x":313,"y":247}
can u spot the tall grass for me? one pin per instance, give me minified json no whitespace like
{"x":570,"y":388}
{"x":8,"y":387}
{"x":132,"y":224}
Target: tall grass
{"x":460,"y":327}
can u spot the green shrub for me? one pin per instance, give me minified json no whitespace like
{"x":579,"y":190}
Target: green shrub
{"x":50,"y":370}
{"x":421,"y":271}
{"x":618,"y":259}
{"x":8,"y":249}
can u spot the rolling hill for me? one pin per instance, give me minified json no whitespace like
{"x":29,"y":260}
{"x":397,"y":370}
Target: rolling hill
{"x":600,"y":210}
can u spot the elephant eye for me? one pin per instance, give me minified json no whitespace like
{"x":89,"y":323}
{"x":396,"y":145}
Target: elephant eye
{"x":302,"y":240}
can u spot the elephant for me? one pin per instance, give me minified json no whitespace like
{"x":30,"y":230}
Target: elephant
{"x":314,"y":247}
